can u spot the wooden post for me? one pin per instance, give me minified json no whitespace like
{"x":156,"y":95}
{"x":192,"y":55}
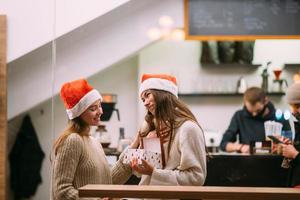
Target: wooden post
{"x":3,"y":106}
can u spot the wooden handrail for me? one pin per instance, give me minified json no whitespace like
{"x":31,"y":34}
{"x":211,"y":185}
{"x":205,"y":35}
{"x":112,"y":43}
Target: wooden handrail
{"x":189,"y":192}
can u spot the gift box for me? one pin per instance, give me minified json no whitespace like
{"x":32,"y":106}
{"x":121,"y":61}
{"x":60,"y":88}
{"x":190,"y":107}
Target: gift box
{"x":153,"y":158}
{"x":151,"y":153}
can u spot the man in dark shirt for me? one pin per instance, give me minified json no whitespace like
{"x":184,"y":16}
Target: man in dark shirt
{"x":248,"y":123}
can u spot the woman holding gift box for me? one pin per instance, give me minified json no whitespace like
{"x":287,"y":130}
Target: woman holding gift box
{"x":181,"y":137}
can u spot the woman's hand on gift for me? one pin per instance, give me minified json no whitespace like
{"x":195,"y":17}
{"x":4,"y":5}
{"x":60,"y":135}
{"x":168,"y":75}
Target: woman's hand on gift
{"x":152,"y":134}
{"x":144,"y":168}
{"x":136,"y":142}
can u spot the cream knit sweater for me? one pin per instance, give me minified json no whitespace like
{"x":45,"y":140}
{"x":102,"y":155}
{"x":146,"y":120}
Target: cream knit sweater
{"x":79,"y":161}
{"x":186,"y":164}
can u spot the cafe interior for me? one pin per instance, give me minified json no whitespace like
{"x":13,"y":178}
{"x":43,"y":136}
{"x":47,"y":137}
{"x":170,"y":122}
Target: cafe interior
{"x":111,"y":44}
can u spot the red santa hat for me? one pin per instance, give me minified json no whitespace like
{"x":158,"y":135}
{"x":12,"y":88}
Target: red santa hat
{"x":77,"y":96}
{"x":163,"y":82}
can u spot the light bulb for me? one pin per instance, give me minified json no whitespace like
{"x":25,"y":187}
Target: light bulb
{"x":165,"y":21}
{"x":154,"y":33}
{"x":177,"y":34}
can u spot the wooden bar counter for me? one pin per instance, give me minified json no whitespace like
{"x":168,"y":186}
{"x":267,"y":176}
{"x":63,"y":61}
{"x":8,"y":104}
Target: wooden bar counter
{"x":189,"y":192}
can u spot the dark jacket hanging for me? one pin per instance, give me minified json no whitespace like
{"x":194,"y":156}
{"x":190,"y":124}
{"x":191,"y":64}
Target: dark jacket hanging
{"x":26,"y":159}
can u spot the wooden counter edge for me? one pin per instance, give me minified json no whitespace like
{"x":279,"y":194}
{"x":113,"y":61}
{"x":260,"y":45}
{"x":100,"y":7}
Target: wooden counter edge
{"x":189,"y":192}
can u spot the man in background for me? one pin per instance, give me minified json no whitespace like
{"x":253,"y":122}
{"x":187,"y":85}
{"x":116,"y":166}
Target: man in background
{"x":248,"y":123}
{"x":291,"y":150}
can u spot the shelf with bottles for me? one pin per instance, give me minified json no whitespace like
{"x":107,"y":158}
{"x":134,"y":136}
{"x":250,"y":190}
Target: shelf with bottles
{"x":292,"y":65}
{"x":227,"y":94}
{"x":230,"y":65}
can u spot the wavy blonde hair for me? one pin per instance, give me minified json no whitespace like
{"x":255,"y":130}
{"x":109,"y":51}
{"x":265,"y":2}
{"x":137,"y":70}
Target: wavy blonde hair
{"x":76,"y":125}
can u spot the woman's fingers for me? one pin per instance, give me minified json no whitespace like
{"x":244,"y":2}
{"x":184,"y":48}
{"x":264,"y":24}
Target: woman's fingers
{"x":165,"y":129}
{"x":286,"y":141}
{"x":143,"y":168}
{"x":133,"y":162}
{"x":152,"y":134}
{"x":164,"y":132}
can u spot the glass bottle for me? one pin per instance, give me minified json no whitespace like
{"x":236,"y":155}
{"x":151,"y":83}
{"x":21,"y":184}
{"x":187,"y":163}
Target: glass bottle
{"x":123,"y":142}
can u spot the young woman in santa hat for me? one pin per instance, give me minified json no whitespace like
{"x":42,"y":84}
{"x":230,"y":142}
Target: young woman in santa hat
{"x":77,"y":158}
{"x":181,"y":137}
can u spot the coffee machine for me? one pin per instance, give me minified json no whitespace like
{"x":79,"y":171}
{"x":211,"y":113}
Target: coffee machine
{"x":281,"y":83}
{"x":108,"y":106}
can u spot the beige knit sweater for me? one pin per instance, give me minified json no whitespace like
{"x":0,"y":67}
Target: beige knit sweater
{"x":186,"y":164}
{"x":79,"y":161}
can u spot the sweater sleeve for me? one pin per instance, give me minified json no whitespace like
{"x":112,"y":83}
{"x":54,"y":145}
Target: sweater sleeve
{"x":120,"y":171}
{"x":192,"y":166}
{"x":64,"y":168}
{"x":231,"y":133}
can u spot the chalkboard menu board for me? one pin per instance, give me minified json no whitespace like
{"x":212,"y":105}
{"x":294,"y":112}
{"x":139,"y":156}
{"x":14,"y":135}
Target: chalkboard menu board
{"x":242,"y":19}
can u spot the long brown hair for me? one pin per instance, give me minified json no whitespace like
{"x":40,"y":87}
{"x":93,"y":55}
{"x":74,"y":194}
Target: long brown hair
{"x":170,"y":111}
{"x":76,"y":125}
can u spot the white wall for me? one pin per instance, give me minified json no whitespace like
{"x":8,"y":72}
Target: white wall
{"x":71,"y":14}
{"x":41,"y":21}
{"x":182,"y":60}
{"x":279,"y":51}
{"x":85,"y":51}
{"x":119,"y":79}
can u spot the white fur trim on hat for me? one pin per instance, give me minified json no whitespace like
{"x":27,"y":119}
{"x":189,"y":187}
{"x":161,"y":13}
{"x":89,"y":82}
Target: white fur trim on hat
{"x":159,"y":84}
{"x":84,"y":103}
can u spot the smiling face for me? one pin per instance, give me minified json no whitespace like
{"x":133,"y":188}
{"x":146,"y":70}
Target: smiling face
{"x":92,"y":114}
{"x":149,"y":102}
